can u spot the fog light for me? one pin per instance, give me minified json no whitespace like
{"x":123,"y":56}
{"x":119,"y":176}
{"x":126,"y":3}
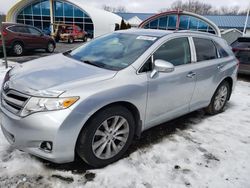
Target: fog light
{"x":46,"y":146}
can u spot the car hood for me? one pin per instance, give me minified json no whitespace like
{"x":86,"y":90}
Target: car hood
{"x":42,"y":77}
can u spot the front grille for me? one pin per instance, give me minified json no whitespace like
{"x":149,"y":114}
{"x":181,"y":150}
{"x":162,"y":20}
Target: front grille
{"x":14,"y":101}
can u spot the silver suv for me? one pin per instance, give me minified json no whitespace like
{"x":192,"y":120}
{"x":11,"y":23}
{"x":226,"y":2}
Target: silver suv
{"x":94,"y":100}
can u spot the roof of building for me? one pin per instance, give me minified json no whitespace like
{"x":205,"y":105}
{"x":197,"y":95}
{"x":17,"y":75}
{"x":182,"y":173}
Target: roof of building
{"x":232,"y":21}
{"x":222,"y":21}
{"x":104,"y":21}
{"x":127,"y":16}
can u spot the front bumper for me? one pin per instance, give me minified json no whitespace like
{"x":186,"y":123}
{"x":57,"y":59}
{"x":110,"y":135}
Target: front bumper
{"x":28,"y":133}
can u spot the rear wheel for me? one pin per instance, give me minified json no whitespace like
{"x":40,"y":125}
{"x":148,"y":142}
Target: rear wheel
{"x":18,"y":49}
{"x":85,"y":38}
{"x":71,"y":40}
{"x":50,"y":47}
{"x":219,"y":99}
{"x":106,"y":136}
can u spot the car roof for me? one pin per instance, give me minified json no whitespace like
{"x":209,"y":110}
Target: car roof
{"x":11,"y":23}
{"x":148,"y":32}
{"x":162,"y":33}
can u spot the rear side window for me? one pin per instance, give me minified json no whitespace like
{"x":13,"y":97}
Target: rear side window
{"x":205,"y":49}
{"x":19,"y":29}
{"x":222,"y":53}
{"x":175,"y":51}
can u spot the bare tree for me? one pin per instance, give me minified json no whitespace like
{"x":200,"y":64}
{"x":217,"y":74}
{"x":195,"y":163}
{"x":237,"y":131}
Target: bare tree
{"x":114,"y":9}
{"x":229,"y":10}
{"x":198,"y":7}
{"x":194,"y":6}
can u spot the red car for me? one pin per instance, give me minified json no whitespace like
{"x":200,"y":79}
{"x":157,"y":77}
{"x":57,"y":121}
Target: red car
{"x":20,"y":37}
{"x":69,"y":33}
{"x":241,"y":48}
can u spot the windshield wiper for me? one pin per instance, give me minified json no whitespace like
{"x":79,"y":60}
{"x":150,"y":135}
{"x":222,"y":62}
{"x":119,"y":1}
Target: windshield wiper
{"x":94,"y":64}
{"x":67,"y":53}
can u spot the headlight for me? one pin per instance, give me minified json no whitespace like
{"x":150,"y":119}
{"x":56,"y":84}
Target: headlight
{"x":36,"y":104}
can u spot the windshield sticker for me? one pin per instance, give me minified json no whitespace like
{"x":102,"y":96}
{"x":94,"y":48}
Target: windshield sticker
{"x":146,"y":38}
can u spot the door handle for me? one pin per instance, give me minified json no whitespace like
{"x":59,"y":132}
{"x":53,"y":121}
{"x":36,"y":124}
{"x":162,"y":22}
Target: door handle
{"x":220,"y":66}
{"x":191,"y":74}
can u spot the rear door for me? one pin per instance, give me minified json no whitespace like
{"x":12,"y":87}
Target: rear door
{"x":209,"y":67}
{"x":21,"y":33}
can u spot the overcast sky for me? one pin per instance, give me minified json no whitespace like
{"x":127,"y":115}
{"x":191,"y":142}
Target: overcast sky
{"x":149,"y":6}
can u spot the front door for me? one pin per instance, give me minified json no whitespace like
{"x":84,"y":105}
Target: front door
{"x":169,"y":94}
{"x":38,"y":41}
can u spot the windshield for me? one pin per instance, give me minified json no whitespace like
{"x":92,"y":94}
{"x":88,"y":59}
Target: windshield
{"x":114,"y":51}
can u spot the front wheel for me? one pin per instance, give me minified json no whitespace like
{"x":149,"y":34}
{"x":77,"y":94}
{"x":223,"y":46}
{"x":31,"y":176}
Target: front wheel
{"x":50,"y":47}
{"x":106,"y":136}
{"x":219,"y":99}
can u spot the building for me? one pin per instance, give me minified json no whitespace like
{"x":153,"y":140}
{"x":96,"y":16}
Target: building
{"x":223,"y":22}
{"x":180,"y":20}
{"x":44,"y":13}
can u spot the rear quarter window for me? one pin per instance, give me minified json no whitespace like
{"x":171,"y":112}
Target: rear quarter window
{"x":205,"y":49}
{"x":221,"y":51}
{"x":19,"y":29}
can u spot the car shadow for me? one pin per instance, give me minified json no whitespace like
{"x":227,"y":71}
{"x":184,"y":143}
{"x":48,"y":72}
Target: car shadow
{"x":244,"y":77}
{"x":149,"y":137}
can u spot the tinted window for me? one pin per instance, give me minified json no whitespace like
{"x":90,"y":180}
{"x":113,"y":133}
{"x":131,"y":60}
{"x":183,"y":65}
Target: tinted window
{"x":176,"y":51}
{"x":163,"y":22}
{"x":205,"y":49}
{"x":172,"y":21}
{"x":154,"y":24}
{"x":221,"y":51}
{"x":193,"y":24}
{"x":147,"y":66}
{"x":68,"y":10}
{"x":184,"y":22}
{"x":34,"y":31}
{"x":19,"y":29}
{"x":202,"y":26}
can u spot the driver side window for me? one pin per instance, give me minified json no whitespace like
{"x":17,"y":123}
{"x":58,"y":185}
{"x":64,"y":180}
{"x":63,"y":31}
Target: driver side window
{"x":175,"y":51}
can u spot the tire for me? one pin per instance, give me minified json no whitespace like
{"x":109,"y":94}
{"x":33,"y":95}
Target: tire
{"x":50,"y":47}
{"x":85,"y":39}
{"x":18,"y":49}
{"x":219,"y":99}
{"x":57,"y":39}
{"x":94,"y":140}
{"x":71,"y":40}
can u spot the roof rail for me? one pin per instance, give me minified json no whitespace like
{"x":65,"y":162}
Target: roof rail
{"x":196,"y":32}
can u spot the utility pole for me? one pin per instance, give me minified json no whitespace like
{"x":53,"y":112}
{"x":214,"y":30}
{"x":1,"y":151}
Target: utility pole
{"x":3,"y":43}
{"x":245,"y":27}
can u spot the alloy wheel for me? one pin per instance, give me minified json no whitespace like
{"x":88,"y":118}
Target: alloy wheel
{"x":220,"y":98}
{"x":110,"y":137}
{"x":18,"y":49}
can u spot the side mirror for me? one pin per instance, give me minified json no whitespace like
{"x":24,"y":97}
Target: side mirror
{"x":162,"y":66}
